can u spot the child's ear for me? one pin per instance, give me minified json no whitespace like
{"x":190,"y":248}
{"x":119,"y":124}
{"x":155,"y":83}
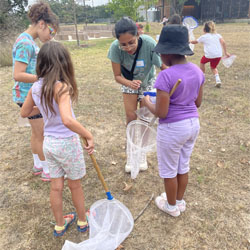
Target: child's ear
{"x":42,"y":24}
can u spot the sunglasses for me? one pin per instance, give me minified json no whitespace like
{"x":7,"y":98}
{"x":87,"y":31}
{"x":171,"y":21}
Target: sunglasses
{"x":51,"y":31}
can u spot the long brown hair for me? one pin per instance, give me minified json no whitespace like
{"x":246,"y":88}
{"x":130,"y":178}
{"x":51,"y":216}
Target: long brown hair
{"x":54,"y":64}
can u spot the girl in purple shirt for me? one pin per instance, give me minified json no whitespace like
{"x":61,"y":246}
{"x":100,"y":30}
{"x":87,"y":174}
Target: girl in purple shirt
{"x":53,"y":94}
{"x":179,"y":123}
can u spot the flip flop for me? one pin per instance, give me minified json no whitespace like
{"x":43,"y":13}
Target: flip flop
{"x":65,"y":227}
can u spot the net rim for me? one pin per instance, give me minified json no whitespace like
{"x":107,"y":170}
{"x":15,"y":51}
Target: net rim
{"x":194,"y":19}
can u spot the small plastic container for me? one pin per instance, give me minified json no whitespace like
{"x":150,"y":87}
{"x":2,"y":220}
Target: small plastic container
{"x":152,"y":95}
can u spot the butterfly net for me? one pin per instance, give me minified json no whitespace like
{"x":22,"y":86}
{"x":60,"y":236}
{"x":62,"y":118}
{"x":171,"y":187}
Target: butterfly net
{"x":141,"y":139}
{"x":228,"y":61}
{"x":110,"y":223}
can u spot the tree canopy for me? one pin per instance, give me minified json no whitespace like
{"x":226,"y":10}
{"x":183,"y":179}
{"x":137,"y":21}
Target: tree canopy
{"x":12,"y":15}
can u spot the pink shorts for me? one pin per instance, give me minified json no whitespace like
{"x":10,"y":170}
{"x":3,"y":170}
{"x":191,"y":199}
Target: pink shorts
{"x":175,"y":142}
{"x":213,"y":61}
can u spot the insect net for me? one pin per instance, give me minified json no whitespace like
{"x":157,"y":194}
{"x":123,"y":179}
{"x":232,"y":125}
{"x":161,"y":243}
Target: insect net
{"x":141,"y":139}
{"x":228,"y":61}
{"x":191,"y":23}
{"x":110,"y":222}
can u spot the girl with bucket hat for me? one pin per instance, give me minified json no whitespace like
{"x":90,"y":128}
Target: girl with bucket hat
{"x":179,"y":123}
{"x":133,"y":64}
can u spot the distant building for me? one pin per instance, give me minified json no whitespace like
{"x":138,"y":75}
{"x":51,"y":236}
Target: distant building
{"x":210,"y":9}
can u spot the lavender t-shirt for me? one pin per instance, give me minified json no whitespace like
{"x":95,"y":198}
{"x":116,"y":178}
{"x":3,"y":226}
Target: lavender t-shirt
{"x":53,"y":125}
{"x":182,"y":102}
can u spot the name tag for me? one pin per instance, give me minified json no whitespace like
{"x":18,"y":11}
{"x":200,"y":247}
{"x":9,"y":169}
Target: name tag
{"x":140,"y":64}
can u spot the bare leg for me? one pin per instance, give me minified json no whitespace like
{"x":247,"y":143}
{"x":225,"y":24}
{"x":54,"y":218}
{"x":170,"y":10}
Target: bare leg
{"x":202,"y":67}
{"x":182,"y":180}
{"x":171,"y":190}
{"x":56,"y":189}
{"x":37,"y":137}
{"x":130,"y":105}
{"x":215,"y":71}
{"x":77,"y":198}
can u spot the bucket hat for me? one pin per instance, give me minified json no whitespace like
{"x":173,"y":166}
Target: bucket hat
{"x":174,"y":39}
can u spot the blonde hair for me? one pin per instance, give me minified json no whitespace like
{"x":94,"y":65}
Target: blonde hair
{"x":209,"y":27}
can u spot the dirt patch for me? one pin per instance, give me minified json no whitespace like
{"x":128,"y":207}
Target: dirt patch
{"x":217,"y":215}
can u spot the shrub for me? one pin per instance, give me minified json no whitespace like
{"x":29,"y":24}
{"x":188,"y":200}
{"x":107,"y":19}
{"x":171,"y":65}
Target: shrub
{"x":147,"y":27}
{"x":5,"y":54}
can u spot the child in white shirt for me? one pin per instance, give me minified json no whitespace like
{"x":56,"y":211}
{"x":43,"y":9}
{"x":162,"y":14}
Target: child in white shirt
{"x":213,"y":45}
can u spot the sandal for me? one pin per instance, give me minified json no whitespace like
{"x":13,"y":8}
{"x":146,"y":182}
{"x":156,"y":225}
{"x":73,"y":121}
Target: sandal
{"x":65,"y":227}
{"x":83,"y":226}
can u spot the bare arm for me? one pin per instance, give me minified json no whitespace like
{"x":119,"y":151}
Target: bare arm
{"x":199,"y":98}
{"x":194,"y":42}
{"x":29,"y":108}
{"x":223,"y":45}
{"x":71,"y":123}
{"x":20,"y":75}
{"x":160,"y":109}
{"x":163,"y":66}
{"x":134,"y":84}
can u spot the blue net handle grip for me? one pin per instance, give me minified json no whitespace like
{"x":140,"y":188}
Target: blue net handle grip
{"x":149,"y":93}
{"x":109,"y":196}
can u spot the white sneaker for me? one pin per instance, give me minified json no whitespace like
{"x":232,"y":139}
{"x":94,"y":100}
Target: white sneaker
{"x":128,"y":168}
{"x":218,"y":83}
{"x":143,"y":166}
{"x":181,"y":205}
{"x":161,"y":203}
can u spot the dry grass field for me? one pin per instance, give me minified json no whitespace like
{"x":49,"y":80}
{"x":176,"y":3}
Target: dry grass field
{"x":218,"y":204}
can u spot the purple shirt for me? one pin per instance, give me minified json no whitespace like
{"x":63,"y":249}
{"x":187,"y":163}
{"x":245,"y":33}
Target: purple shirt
{"x":53,"y":124}
{"x":182,"y":102}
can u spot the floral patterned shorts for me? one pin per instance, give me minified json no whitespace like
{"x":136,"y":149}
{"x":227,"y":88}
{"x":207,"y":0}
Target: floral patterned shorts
{"x":144,"y":87}
{"x":64,"y":156}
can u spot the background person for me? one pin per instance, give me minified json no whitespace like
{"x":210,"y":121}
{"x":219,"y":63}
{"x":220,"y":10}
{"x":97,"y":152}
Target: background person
{"x":175,"y":19}
{"x":179,"y":123}
{"x":213,"y":45}
{"x":61,"y":146}
{"x":44,"y":24}
{"x":140,"y":29}
{"x":122,"y":54}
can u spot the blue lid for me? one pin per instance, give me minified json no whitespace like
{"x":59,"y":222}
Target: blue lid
{"x":149,"y":93}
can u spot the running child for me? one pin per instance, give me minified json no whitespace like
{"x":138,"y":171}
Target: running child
{"x":179,"y":123}
{"x":44,"y":24}
{"x":53,"y":94}
{"x":213,"y":45}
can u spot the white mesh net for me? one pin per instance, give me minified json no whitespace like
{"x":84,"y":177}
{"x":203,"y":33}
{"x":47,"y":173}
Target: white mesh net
{"x":110,"y":223}
{"x":191,"y":38}
{"x":141,"y":139}
{"x":228,"y":61}
{"x":190,"y":22}
{"x":144,"y":114}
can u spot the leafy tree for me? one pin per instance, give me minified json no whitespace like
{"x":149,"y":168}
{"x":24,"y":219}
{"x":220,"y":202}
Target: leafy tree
{"x":122,"y":8}
{"x":12,"y":16}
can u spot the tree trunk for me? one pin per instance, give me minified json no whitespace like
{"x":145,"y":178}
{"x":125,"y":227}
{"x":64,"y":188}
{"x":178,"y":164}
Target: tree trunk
{"x":75,"y":22}
{"x":176,"y":7}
